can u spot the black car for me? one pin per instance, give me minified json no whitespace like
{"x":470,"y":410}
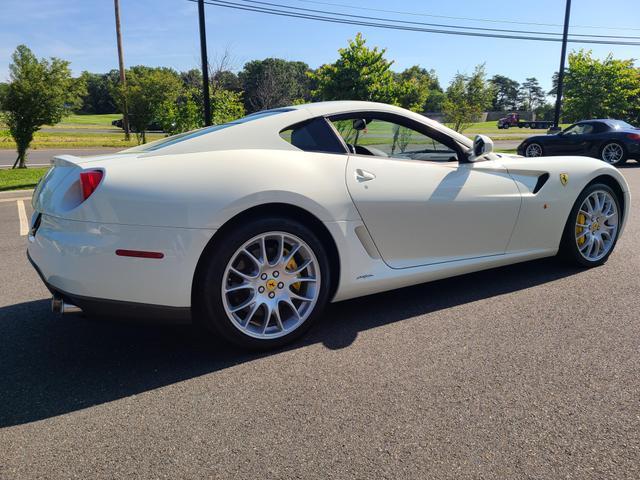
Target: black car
{"x":613,"y":141}
{"x":152,"y":127}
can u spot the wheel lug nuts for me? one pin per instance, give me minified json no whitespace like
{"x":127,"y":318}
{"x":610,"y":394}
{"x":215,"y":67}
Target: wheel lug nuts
{"x":280,"y":285}
{"x":263,"y":276}
{"x":275,"y":274}
{"x":271,"y":294}
{"x":261,"y":290}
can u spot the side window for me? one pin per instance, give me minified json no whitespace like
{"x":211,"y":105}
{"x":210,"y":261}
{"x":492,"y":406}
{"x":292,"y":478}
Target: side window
{"x":313,"y":136}
{"x":587,"y":129}
{"x":383,"y":138}
{"x":579,"y":129}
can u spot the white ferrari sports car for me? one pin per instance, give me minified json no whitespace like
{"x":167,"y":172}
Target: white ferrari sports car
{"x":251,"y":227}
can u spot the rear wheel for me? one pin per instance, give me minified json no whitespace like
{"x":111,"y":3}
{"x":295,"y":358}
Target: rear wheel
{"x":613,"y":153}
{"x":265,"y":284}
{"x":591,"y":232}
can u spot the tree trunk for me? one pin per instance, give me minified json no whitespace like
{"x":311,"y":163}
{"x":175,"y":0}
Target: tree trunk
{"x":21,"y":160}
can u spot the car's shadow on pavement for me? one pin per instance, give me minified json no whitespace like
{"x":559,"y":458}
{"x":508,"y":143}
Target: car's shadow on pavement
{"x":51,"y":365}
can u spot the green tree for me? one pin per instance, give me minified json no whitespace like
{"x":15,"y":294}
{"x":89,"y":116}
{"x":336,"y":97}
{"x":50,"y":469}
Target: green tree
{"x":148,"y":91}
{"x":98,"y":98}
{"x":182,"y":114}
{"x":4,"y":88}
{"x":593,"y":88}
{"x":226,"y":106}
{"x":467,"y":97}
{"x":186,"y":111}
{"x":531,"y":94}
{"x":505,"y":95}
{"x":270,"y":83}
{"x":360,"y":73}
{"x":192,"y":79}
{"x":39,"y":93}
{"x":414,"y":86}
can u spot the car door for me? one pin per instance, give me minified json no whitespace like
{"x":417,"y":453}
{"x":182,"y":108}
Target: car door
{"x":422,"y":211}
{"x":576,"y":139}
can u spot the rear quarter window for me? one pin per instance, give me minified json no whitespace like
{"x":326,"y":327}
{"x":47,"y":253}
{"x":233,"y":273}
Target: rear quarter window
{"x":313,"y":136}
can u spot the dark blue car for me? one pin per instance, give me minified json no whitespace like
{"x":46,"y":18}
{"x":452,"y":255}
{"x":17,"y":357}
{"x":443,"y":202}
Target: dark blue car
{"x":613,"y":141}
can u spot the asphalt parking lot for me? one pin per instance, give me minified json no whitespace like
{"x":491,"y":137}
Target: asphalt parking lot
{"x":529,"y":371}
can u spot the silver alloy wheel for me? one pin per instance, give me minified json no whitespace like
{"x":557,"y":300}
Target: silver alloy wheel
{"x":271,"y":285}
{"x":596,"y":225}
{"x":612,"y":153}
{"x":533,"y":150}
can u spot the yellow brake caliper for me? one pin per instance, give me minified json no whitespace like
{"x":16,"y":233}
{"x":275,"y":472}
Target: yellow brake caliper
{"x":581,"y":220}
{"x":292,"y":265}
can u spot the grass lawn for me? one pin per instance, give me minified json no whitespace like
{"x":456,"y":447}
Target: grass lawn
{"x":76,"y":140}
{"x":511,"y":151}
{"x":102,"y":120}
{"x":20,"y":178}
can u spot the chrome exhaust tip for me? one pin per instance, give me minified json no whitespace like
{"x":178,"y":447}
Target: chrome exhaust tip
{"x":58,"y":305}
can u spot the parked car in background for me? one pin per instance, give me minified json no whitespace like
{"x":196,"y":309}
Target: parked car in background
{"x":612,"y":141}
{"x":152,"y":127}
{"x":513,"y":120}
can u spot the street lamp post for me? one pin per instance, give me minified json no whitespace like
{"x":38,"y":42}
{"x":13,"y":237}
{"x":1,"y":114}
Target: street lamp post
{"x":556,"y":119}
{"x":205,"y":64}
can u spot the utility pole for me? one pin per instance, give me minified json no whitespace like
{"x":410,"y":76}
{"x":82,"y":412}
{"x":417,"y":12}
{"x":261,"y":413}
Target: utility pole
{"x":205,"y":65}
{"x":556,"y":119}
{"x":123,"y":77}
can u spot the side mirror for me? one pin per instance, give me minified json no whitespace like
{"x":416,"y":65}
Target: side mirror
{"x":359,"y":124}
{"x":481,"y":146}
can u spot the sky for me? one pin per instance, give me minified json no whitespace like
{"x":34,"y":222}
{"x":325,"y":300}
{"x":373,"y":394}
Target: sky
{"x":165,"y":33}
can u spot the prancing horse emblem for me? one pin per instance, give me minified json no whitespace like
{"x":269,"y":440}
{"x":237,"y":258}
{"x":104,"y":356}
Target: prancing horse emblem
{"x":564,"y":178}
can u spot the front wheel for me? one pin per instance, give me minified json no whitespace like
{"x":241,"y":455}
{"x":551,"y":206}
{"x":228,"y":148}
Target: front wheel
{"x":265,"y":284}
{"x":591,"y":231}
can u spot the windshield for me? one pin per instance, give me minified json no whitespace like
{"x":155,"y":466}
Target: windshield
{"x":181,"y":137}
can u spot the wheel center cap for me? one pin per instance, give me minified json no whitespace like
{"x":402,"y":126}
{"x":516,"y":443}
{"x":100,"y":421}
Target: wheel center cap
{"x":271,"y":284}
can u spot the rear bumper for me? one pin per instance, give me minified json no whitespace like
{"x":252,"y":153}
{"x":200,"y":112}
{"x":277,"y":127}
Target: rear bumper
{"x":102,"y":306}
{"x":77,"y":260}
{"x":633,"y":149}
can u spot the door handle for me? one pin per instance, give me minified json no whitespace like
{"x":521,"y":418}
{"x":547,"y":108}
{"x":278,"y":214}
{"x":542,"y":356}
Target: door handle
{"x":363,"y":175}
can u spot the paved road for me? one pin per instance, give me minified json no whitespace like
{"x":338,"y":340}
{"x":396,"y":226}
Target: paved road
{"x":529,"y":371}
{"x":43,"y":156}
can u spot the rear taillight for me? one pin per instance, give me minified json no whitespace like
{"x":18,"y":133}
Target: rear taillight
{"x":634,"y":136}
{"x":90,"y":181}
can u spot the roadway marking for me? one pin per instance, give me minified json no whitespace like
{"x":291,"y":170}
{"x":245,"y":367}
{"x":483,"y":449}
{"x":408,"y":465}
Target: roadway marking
{"x":14,"y":199}
{"x":22,"y":215}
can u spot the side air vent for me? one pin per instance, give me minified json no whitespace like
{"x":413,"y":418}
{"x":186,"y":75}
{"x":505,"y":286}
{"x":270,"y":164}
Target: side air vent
{"x":542,"y":179}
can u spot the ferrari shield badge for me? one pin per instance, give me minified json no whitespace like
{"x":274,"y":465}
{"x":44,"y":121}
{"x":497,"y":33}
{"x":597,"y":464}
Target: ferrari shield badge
{"x":564,"y":178}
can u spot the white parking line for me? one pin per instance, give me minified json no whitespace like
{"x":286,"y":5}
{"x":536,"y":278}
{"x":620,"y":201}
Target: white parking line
{"x":14,"y":199}
{"x":22,"y":215}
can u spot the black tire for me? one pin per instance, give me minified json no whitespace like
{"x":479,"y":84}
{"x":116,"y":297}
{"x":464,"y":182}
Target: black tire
{"x":624,"y":153}
{"x":568,"y":248}
{"x":506,"y":126}
{"x":208,"y":298}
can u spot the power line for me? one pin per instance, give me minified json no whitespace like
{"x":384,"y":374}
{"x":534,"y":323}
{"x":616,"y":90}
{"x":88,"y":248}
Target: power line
{"x":472,"y":19}
{"x":329,"y":18}
{"x":407,"y":22}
